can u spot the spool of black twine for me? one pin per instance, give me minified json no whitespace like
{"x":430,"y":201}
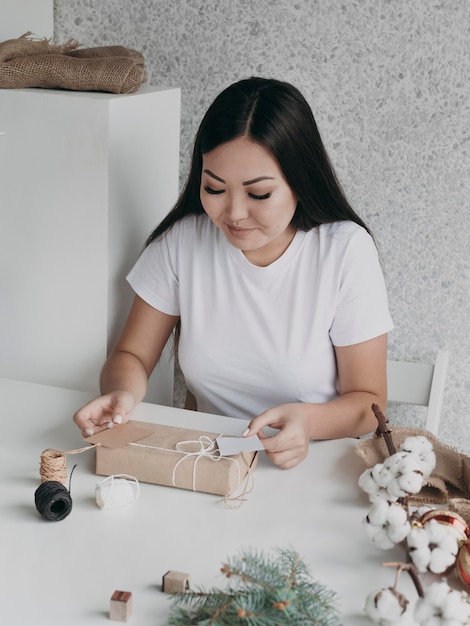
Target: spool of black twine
{"x":53,"y":501}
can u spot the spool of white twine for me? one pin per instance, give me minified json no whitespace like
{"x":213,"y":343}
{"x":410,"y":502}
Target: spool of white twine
{"x":117,"y":491}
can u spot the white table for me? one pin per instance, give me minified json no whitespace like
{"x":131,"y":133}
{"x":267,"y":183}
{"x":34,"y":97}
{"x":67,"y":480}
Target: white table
{"x":56,"y":573}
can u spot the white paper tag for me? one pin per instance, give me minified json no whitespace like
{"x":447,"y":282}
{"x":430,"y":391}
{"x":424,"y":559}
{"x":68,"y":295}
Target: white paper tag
{"x":234,"y":445}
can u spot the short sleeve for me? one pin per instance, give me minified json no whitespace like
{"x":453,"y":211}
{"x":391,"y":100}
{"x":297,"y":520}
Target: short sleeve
{"x":362,"y":311}
{"x":154,"y":278}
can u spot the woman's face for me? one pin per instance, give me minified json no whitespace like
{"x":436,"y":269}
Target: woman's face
{"x":245,"y":194}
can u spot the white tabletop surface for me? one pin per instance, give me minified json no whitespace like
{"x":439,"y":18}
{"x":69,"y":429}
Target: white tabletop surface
{"x":56,"y":573}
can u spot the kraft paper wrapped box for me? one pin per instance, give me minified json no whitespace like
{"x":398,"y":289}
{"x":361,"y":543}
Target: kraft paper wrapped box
{"x":171,"y":456}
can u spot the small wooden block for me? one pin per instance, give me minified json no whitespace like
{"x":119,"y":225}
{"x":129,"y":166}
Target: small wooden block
{"x":175,"y":582}
{"x":121,"y":606}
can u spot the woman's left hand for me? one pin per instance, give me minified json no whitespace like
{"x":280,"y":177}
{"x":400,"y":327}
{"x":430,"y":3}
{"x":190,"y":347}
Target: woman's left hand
{"x":289,"y":446}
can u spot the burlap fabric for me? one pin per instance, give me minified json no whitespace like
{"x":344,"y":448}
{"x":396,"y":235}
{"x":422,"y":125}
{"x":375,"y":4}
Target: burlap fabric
{"x":31,"y":62}
{"x":448,"y":485}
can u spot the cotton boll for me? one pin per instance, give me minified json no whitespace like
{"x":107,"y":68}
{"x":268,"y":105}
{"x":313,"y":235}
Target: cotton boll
{"x":420,"y":552}
{"x":399,"y":526}
{"x":380,"y":538}
{"x":383,"y":475}
{"x":440,"y":560}
{"x":409,"y":477}
{"x":411,"y":481}
{"x":419,"y":445}
{"x":442,"y":606}
{"x":386,"y":607}
{"x":393,"y":463}
{"x":368,"y":483}
{"x":387,"y":524}
{"x":456,"y":607}
{"x":422,"y":448}
{"x":445,"y":552}
{"x":397,"y":477}
{"x":433,"y":547}
{"x":376,"y":526}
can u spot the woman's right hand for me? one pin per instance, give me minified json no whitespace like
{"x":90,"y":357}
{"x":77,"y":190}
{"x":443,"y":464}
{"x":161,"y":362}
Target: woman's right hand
{"x":103,"y":412}
{"x":123,"y":379}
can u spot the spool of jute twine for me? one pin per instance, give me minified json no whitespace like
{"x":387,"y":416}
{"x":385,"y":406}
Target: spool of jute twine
{"x":53,"y":466}
{"x":52,"y":498}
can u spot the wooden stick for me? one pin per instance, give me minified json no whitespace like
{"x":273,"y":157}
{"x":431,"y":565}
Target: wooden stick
{"x":383,"y":429}
{"x":412,"y":571}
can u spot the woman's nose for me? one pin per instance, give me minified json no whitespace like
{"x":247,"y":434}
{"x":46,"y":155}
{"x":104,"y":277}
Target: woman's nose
{"x":236,"y":209}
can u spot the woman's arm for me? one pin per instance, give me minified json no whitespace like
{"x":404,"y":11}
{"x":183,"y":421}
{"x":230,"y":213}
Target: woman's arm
{"x":125,"y":374}
{"x":362,"y":378}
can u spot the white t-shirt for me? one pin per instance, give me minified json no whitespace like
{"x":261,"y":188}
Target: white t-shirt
{"x":256,"y":337}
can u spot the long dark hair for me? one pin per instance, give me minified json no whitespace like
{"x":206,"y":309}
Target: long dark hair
{"x":275,"y":115}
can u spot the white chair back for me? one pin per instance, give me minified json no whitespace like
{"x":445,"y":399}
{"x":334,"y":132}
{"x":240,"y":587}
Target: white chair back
{"x":420,"y":384}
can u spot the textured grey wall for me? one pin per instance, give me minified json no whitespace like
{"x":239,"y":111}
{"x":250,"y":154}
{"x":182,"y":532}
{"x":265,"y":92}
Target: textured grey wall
{"x":388,"y":81}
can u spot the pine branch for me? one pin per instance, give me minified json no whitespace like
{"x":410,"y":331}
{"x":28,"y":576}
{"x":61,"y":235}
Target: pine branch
{"x":294,"y":570}
{"x":262,"y":591}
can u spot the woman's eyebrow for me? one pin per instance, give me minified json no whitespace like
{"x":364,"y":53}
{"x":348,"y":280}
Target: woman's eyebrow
{"x":247,"y":182}
{"x":256,"y":180}
{"x":209,"y":173}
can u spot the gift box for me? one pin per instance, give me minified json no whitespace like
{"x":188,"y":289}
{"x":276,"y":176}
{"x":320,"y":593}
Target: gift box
{"x":171,"y":456}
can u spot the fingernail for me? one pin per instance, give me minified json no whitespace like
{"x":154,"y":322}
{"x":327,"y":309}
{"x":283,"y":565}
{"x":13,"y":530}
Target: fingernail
{"x":89,"y":432}
{"x":110,"y":425}
{"x":245,"y":432}
{"x":117,"y":419}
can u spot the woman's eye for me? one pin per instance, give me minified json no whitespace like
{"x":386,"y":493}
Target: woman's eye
{"x":215,"y":192}
{"x":265,"y":196}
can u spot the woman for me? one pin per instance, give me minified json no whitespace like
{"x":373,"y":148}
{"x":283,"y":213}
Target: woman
{"x":270,"y":279}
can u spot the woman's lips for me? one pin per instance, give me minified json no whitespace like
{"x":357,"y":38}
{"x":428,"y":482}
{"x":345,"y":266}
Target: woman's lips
{"x":236,"y":231}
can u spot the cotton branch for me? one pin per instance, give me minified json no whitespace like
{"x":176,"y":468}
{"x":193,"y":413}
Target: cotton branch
{"x":383,"y":429}
{"x":411,"y":569}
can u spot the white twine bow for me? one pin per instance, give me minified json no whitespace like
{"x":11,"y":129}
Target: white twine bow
{"x":207,"y":448}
